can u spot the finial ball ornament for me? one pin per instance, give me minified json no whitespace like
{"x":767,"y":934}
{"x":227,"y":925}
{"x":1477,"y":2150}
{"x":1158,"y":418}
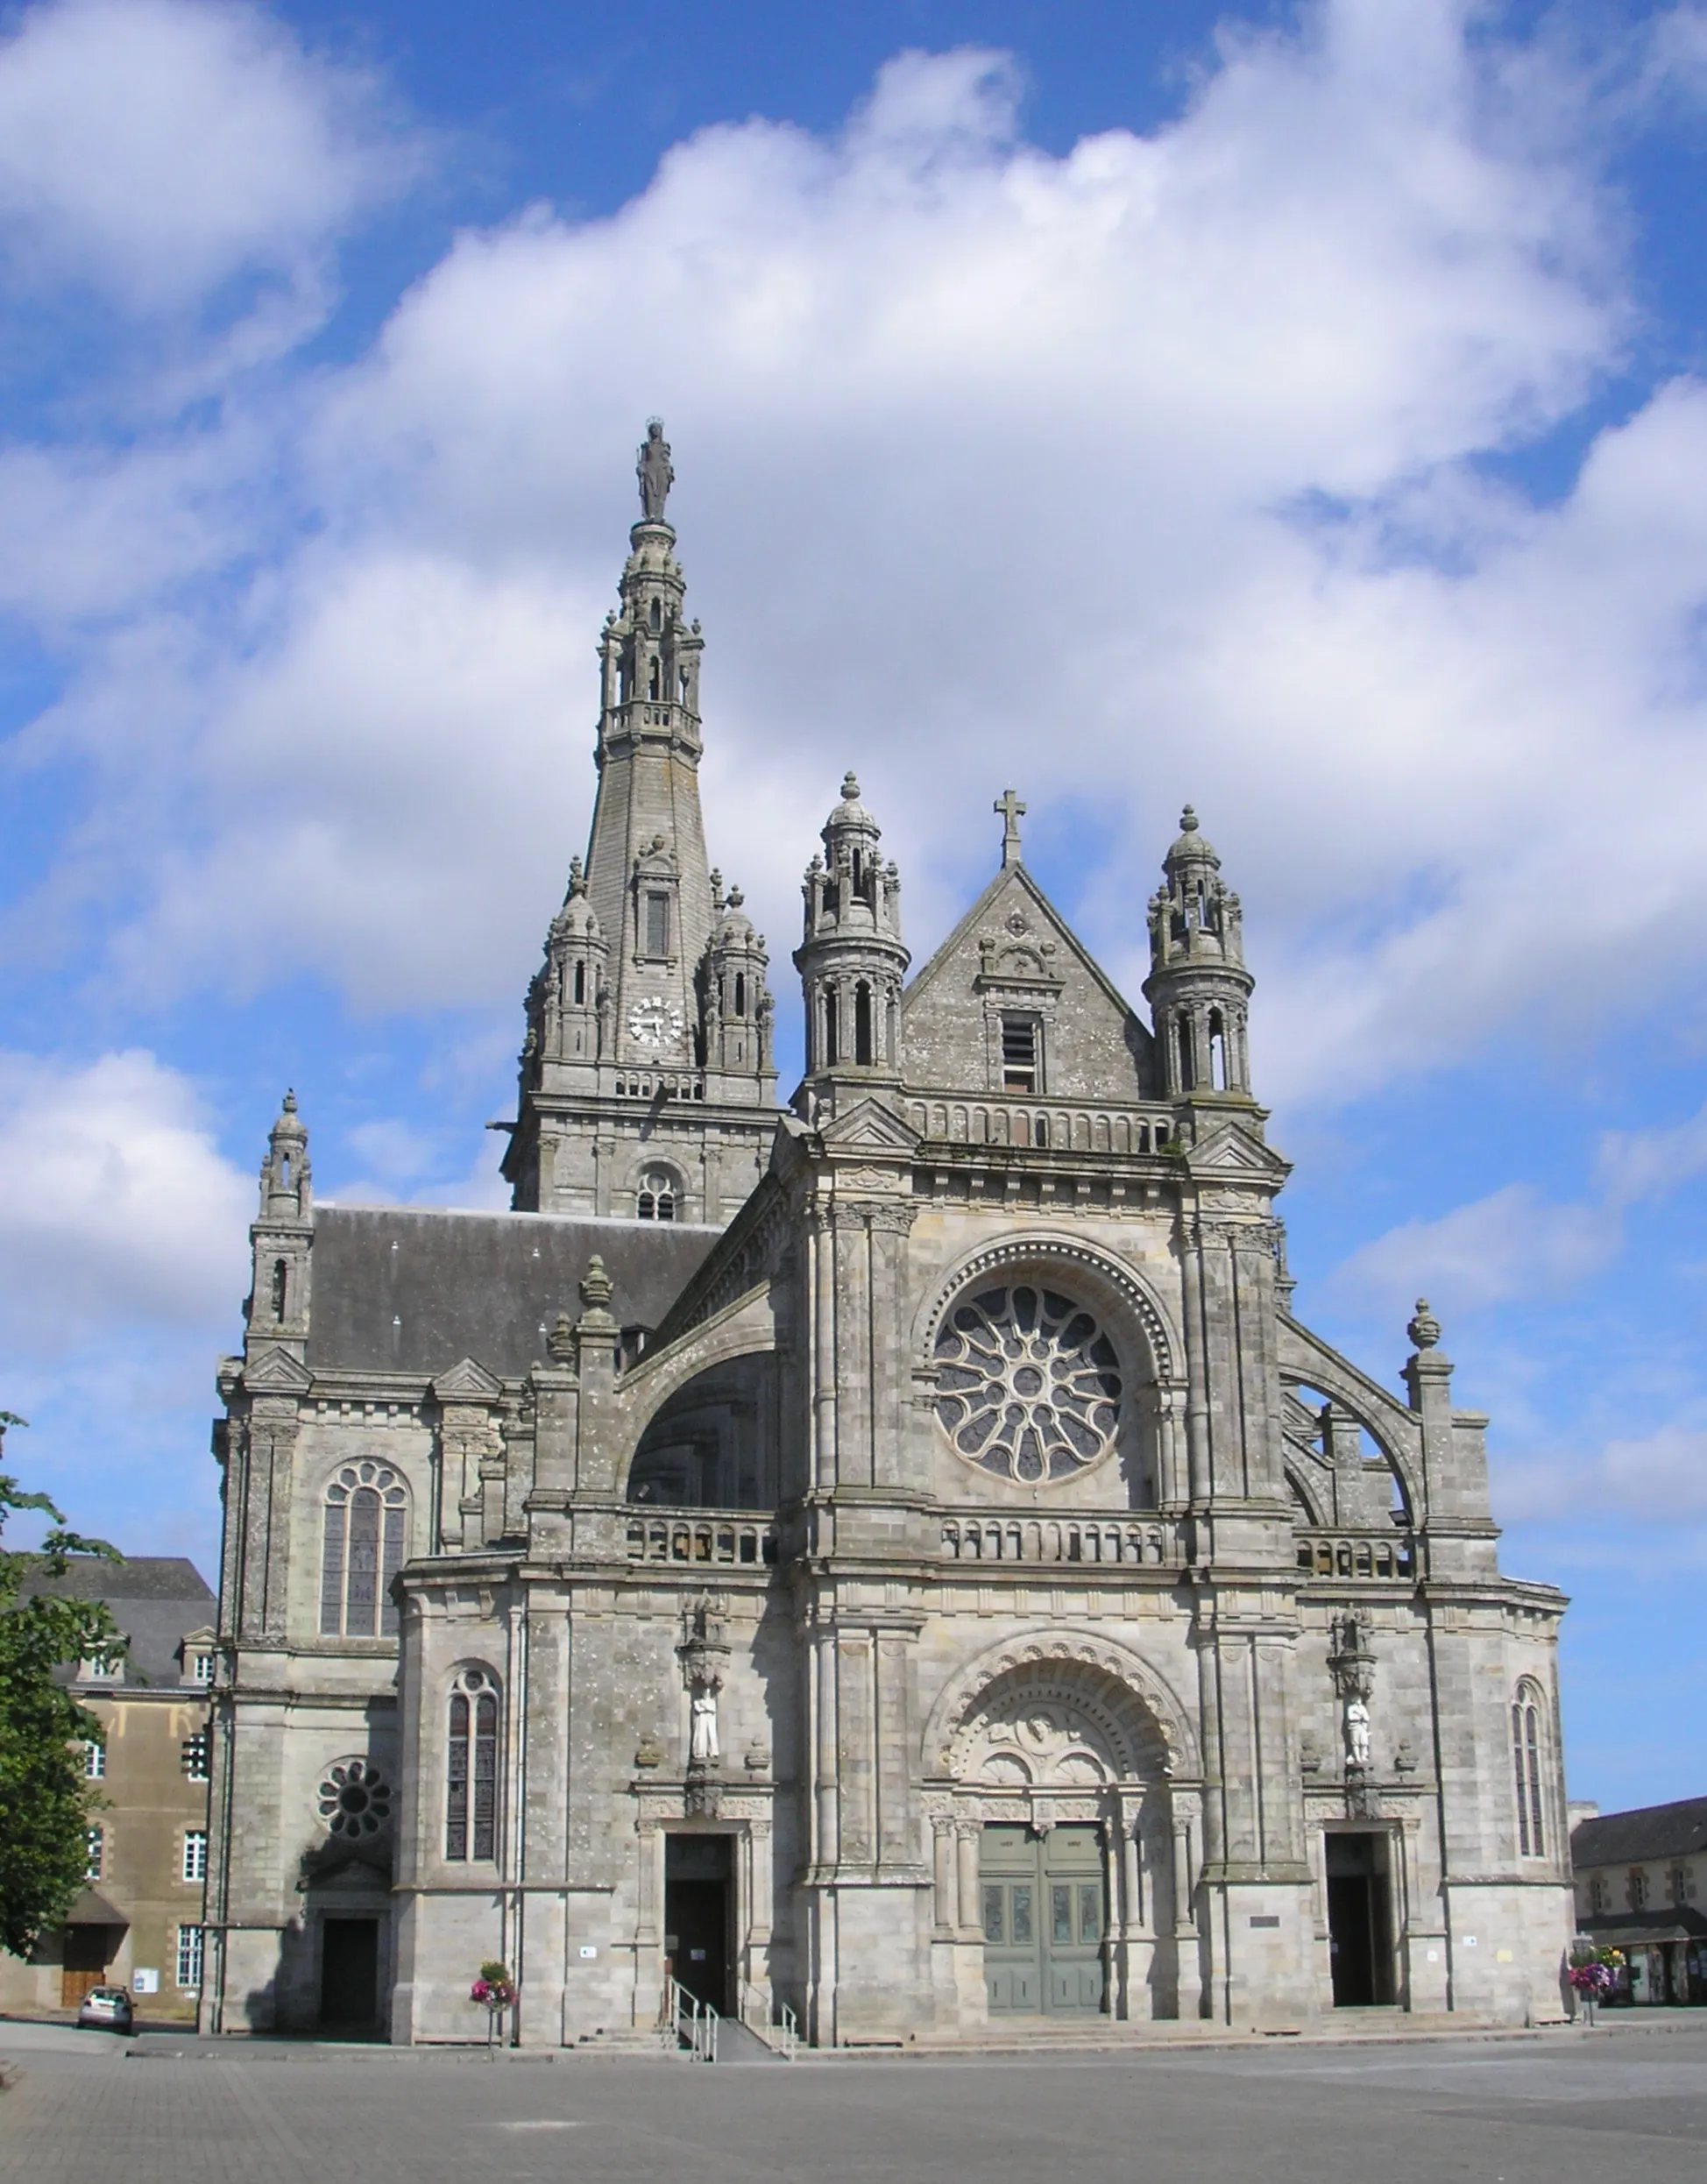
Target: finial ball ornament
{"x":1425,"y":1328}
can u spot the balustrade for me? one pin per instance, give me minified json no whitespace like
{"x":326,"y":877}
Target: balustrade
{"x":1368,"y":1556}
{"x":1035,"y":1124}
{"x":702,"y":1537}
{"x":1057,"y":1540}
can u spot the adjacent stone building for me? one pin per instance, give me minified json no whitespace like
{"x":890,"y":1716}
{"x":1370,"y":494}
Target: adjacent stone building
{"x":895,"y":1559}
{"x":1641,"y":1880}
{"x":137,"y":1922}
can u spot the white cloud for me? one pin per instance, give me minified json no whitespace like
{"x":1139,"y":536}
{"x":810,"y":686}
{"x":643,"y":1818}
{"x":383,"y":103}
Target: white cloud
{"x":116,"y":1206}
{"x":1140,"y":474}
{"x":1510,"y":1243}
{"x":154,"y":149}
{"x":1659,"y":1477}
{"x":1639,"y":1164}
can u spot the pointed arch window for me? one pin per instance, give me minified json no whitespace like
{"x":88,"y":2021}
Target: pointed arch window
{"x":1527,"y":1746}
{"x":831,"y":1042}
{"x":579,"y":985}
{"x":366,"y":1524}
{"x":281,"y":1282}
{"x":471,"y":1796}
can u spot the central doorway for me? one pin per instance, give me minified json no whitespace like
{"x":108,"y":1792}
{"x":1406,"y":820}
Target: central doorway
{"x":698,"y":1915}
{"x":1044,"y":1915}
{"x":1359,"y":1921}
{"x":349,"y":1976}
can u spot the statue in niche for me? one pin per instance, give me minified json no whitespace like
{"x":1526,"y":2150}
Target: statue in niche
{"x":703,"y":1746}
{"x":1356,"y":1731}
{"x":653,"y":468}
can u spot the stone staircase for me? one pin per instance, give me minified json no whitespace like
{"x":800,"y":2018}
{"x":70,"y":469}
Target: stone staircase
{"x":630,"y":2042}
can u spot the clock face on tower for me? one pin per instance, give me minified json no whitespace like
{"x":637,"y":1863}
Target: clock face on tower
{"x":652,"y":1022}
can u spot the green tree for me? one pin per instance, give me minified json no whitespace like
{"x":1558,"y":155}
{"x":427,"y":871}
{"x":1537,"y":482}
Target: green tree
{"x":44,"y":1795}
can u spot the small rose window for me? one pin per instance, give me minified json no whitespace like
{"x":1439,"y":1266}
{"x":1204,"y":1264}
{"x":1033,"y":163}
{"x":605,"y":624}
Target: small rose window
{"x":1028,"y":1385}
{"x":355,"y":1799}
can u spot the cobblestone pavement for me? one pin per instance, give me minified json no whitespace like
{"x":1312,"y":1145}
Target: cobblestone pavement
{"x":1500,"y":2112}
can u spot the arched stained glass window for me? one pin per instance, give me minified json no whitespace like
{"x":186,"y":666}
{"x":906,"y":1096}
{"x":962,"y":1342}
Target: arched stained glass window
{"x":470,"y":1796}
{"x":1526,"y":1767}
{"x":366,"y":1521}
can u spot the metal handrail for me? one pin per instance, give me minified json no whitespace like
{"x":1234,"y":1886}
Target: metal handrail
{"x":777,"y":2025}
{"x":696,"y":2023}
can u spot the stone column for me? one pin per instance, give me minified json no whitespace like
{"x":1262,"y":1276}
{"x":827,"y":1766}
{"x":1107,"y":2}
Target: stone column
{"x":826,"y":1770}
{"x":1184,"y":1818}
{"x":821,"y":1259}
{"x":967,"y":1837}
{"x":946,"y":1901}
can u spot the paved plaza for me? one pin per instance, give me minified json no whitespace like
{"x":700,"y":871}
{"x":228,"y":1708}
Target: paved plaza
{"x":1508,"y":2111}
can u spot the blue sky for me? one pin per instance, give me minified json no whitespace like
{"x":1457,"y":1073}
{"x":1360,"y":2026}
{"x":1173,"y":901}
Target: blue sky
{"x":1299,"y":410}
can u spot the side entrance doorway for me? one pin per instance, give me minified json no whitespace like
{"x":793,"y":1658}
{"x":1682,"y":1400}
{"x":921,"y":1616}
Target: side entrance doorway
{"x":1359,"y":1920}
{"x":350,"y":1976}
{"x":1044,"y":1918}
{"x":698,"y":1913}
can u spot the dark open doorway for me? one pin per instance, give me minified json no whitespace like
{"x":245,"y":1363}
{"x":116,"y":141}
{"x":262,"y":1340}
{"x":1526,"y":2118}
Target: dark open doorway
{"x":349,"y":1976}
{"x":1359,"y":1921}
{"x":698,"y":1914}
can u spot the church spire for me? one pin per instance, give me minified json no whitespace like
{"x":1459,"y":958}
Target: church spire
{"x":650,"y":989}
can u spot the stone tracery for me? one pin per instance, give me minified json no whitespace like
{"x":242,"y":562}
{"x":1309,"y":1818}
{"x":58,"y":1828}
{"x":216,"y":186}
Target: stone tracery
{"x":1029,"y":1384}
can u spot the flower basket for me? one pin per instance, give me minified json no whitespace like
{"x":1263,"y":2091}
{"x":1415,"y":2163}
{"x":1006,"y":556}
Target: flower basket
{"x":1593,"y":1973}
{"x":495,"y":1991}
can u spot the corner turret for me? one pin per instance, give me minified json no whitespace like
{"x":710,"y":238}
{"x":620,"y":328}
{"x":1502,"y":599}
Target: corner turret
{"x":851,"y":960}
{"x":276,"y":1310}
{"x":1198,"y":988}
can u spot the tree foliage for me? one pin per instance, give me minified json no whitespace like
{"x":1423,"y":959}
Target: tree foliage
{"x":46,"y":1796}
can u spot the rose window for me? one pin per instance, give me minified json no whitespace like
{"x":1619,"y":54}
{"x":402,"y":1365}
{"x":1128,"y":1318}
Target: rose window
{"x":1028,"y":1385}
{"x":354,"y":1799}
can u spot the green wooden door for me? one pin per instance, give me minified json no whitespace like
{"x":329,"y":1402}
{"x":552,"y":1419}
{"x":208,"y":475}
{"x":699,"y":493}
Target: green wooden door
{"x":1043,"y":1910}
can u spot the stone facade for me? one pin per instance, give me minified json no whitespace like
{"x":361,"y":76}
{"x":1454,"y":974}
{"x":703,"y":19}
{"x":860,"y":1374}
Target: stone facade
{"x":895,"y":1560}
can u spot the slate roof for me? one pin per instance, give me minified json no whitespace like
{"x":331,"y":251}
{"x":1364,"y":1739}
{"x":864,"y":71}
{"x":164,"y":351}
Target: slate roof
{"x":156,"y":1601}
{"x":1652,"y":1832}
{"x":414,"y":1290}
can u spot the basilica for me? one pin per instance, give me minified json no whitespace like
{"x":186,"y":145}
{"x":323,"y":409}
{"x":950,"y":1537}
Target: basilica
{"x":890,"y":1566}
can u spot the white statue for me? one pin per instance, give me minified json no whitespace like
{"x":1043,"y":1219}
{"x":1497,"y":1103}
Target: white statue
{"x":702,"y":1740}
{"x":1356,"y":1731}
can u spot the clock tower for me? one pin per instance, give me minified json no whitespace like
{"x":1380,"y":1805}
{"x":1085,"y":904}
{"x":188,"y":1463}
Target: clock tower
{"x":647,"y":1089}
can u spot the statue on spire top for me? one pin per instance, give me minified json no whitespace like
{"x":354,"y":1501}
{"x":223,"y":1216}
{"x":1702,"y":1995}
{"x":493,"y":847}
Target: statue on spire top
{"x":653,"y":468}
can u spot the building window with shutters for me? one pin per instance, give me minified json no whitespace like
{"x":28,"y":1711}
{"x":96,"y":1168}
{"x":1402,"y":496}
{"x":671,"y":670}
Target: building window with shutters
{"x":94,"y":1853}
{"x":195,"y":1752}
{"x":471,"y":1803}
{"x":95,"y":1761}
{"x":194,"y":1865}
{"x":657,"y":922}
{"x":366,"y":1526}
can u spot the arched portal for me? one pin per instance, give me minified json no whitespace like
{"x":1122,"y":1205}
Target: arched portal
{"x":1066,"y":1834}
